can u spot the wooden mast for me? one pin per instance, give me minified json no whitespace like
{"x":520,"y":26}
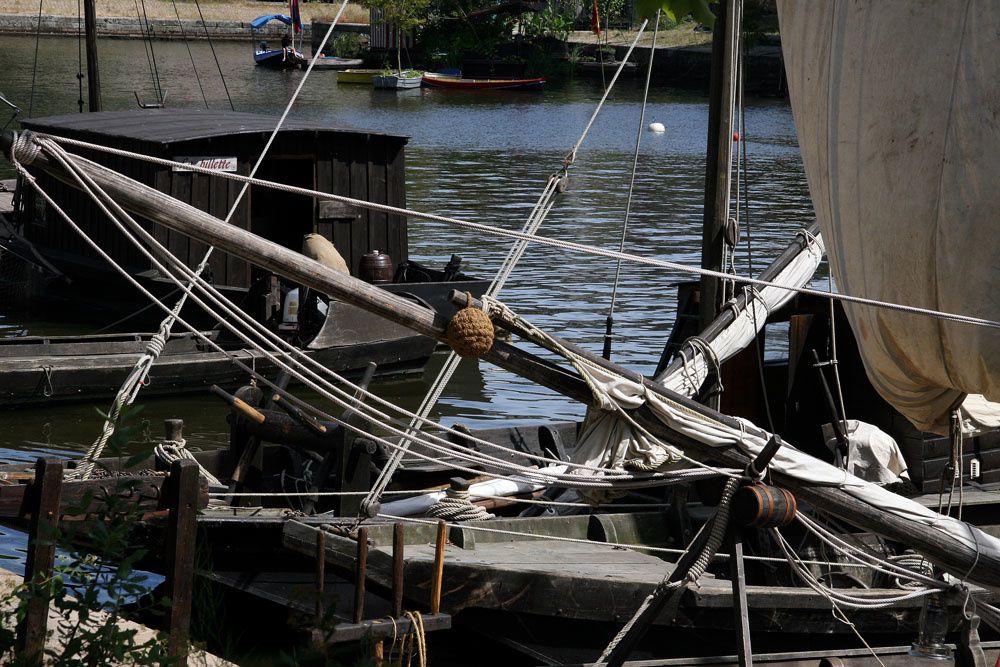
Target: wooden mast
{"x":980,"y":566}
{"x":93,"y":76}
{"x":722,"y":102}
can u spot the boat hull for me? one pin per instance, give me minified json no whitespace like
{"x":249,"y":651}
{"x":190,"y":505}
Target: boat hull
{"x":278,"y":59}
{"x":357,"y":76}
{"x":458,"y":83}
{"x":394,"y":82}
{"x":335,"y":63}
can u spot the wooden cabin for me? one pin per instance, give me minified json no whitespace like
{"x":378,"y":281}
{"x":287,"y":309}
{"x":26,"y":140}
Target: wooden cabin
{"x":306,"y":153}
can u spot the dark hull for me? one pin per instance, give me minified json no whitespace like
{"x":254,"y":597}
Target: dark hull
{"x":36,"y":372}
{"x":278,"y":60}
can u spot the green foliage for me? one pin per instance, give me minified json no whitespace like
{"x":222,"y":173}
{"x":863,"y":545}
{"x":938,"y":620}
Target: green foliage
{"x":94,"y":582}
{"x":675,"y":10}
{"x":550,"y":23}
{"x":449,"y":36}
{"x":349,"y":45}
{"x":405,"y":15}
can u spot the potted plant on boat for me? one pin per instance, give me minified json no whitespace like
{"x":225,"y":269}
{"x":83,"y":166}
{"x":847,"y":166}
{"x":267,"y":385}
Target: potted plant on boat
{"x":404,"y":16}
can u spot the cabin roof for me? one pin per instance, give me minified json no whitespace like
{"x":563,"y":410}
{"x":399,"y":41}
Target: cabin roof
{"x":168,"y":126}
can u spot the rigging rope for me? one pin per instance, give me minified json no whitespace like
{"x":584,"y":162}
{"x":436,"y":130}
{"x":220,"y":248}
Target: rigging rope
{"x":548,"y":241}
{"x":187,"y":45}
{"x":555,"y":184}
{"x":148,"y":38}
{"x":215,"y":57}
{"x":631,"y":185}
{"x":133,"y":383}
{"x":34,"y":64}
{"x":79,"y":52}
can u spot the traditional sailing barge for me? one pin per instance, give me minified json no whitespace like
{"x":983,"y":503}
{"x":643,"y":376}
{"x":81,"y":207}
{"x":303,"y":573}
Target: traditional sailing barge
{"x":736,"y":489}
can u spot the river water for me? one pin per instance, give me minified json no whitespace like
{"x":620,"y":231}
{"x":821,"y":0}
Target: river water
{"x":481,"y":157}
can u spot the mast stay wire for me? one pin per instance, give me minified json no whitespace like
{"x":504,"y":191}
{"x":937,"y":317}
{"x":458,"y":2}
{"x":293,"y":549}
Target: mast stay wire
{"x":547,"y":240}
{"x":34,"y":65}
{"x":555,"y":184}
{"x":187,"y":45}
{"x":147,"y":41}
{"x":126,"y":395}
{"x":215,"y":56}
{"x":103,"y":200}
{"x":610,"y":321}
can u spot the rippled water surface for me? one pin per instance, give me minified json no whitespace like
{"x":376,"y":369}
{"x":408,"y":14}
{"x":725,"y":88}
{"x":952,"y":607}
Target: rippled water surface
{"x":483,"y":158}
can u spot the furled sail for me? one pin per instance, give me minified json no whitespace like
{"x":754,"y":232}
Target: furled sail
{"x":897,"y":107}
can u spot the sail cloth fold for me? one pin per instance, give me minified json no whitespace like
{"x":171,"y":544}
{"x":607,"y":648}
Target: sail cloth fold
{"x":897,"y":108}
{"x":750,"y":312}
{"x":750,"y":439}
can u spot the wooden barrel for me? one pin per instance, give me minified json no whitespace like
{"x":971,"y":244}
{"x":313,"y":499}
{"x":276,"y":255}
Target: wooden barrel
{"x":763,"y":506}
{"x":376,"y":268}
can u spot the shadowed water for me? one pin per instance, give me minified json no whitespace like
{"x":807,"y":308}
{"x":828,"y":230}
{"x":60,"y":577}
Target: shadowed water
{"x":479,"y":157}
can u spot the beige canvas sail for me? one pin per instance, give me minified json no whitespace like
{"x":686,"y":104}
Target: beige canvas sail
{"x":897,"y":107}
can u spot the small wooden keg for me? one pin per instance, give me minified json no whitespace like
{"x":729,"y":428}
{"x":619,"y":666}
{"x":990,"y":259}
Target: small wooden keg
{"x":376,"y":268}
{"x":763,"y":506}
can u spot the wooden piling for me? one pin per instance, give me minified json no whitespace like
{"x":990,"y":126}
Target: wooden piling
{"x":361,"y":575}
{"x":44,"y":506}
{"x":438,"y":577}
{"x":397,"y":570}
{"x":182,"y":499}
{"x":320,"y":573}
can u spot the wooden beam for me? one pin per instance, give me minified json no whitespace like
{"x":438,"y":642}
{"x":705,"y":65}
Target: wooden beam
{"x":980,"y":566}
{"x":44,"y":501}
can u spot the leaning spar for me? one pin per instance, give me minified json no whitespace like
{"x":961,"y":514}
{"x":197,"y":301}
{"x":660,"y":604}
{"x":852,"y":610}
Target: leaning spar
{"x":976,"y":559}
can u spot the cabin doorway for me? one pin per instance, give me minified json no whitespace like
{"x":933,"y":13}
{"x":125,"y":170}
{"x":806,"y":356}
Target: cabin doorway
{"x":279,"y":216}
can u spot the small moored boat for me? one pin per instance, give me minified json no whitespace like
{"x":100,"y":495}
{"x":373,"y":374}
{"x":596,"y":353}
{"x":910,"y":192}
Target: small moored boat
{"x":458,"y":83}
{"x":336,"y":63}
{"x":399,"y":81}
{"x":285,"y":57}
{"x":361,"y":76}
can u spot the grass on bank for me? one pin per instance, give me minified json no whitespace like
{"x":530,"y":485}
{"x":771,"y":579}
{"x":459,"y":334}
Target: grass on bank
{"x":227,"y":10}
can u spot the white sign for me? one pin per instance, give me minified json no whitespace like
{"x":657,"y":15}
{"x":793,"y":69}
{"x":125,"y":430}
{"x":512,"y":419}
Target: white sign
{"x":213,"y":163}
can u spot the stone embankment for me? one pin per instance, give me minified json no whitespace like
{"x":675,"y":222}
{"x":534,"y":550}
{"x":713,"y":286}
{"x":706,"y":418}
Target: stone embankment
{"x":131,"y":28}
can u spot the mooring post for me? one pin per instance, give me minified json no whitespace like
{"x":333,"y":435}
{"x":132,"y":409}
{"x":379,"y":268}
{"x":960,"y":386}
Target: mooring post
{"x":320,"y":573}
{"x":439,"y":544}
{"x":45,"y":492}
{"x":361,"y":575}
{"x":397,"y":570}
{"x":741,"y":618}
{"x":182,"y":526}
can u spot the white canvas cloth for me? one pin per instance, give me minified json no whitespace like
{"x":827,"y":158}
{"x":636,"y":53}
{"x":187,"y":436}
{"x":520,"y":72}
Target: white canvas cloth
{"x":613,"y":445}
{"x":872,"y":454}
{"x":897,"y":108}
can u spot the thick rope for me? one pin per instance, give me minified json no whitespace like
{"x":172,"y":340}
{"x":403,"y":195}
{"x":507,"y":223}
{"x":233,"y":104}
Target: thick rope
{"x":631,"y":180}
{"x":540,"y":477}
{"x":547,"y":241}
{"x":137,"y":377}
{"x":717,"y":531}
{"x":169,"y":451}
{"x":456,"y":506}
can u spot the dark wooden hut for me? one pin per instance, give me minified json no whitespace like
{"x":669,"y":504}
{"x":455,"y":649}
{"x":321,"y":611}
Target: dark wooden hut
{"x":310,"y":154}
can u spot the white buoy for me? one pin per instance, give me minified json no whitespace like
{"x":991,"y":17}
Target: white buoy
{"x":657,"y":127}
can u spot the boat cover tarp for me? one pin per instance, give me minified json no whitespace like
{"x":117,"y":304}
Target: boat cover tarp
{"x":262,"y":21}
{"x":872,"y":454}
{"x":747,"y":322}
{"x":613,"y":443}
{"x":897,"y":108}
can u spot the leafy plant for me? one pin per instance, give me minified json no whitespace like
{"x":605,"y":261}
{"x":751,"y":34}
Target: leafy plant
{"x":404,"y":15}
{"x":549,"y":23}
{"x":95,"y":580}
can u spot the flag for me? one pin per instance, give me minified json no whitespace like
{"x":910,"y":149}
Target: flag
{"x":595,"y":20}
{"x":293,"y":7}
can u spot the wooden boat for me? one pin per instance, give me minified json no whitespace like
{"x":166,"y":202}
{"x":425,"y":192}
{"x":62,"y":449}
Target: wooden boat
{"x":326,"y":62}
{"x":609,"y":67}
{"x":401,"y":81}
{"x":357,"y":76}
{"x":286,"y":57}
{"x":458,"y":83}
{"x":506,"y":584}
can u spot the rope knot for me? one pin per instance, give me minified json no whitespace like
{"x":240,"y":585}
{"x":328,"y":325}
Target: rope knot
{"x":25,"y":149}
{"x":470,"y":331}
{"x":456,"y":506}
